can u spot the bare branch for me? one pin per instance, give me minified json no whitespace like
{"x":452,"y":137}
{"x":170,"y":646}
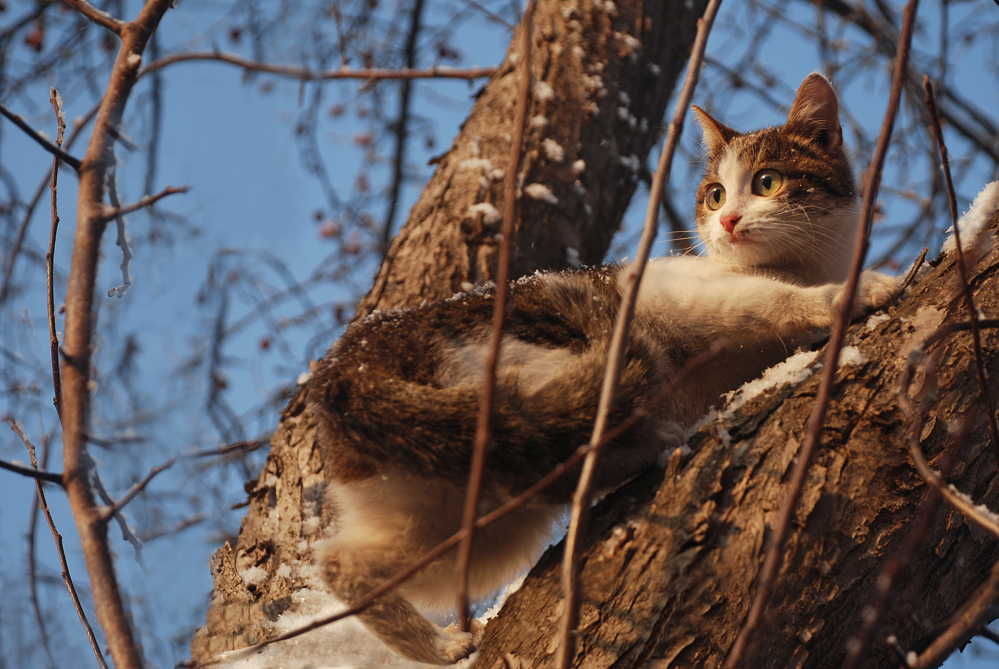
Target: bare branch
{"x":964,"y":623}
{"x":30,"y":472}
{"x":139,"y":486}
{"x":483,"y":426}
{"x":50,"y":259}
{"x":32,"y":557}
{"x":54,"y":149}
{"x":60,"y":550}
{"x":962,"y":266}
{"x":306,"y":74}
{"x":123,"y":210}
{"x":97,"y":16}
{"x":583,"y":496}
{"x":79,"y":332}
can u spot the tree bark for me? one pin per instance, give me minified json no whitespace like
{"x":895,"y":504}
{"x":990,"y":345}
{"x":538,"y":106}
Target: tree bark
{"x":603,"y":74}
{"x":675,"y":555}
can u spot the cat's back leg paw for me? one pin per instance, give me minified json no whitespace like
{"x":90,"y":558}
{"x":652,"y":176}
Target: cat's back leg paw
{"x":453,"y":645}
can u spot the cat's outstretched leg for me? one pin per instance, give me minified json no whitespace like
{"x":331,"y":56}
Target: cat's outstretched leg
{"x":351,"y":570}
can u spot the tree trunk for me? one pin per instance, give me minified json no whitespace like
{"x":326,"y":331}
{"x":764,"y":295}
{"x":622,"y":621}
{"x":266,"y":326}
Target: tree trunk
{"x":675,"y":556}
{"x":603,"y":74}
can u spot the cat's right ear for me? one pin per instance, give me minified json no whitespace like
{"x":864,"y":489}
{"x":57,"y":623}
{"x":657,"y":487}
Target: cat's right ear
{"x":716,"y":135}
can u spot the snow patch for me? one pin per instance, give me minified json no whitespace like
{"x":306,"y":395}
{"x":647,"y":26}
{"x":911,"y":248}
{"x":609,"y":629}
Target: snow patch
{"x":477,"y":164}
{"x":490,"y":214}
{"x":876,"y":320}
{"x":253,"y":575}
{"x":851,"y":355}
{"x":553,"y":150}
{"x":540,"y":192}
{"x":974,"y":225}
{"x":794,"y":370}
{"x":543,"y":92}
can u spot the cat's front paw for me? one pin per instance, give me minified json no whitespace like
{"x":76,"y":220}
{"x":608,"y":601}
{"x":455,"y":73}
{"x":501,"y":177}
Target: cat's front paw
{"x":454,"y":645}
{"x":874,"y":291}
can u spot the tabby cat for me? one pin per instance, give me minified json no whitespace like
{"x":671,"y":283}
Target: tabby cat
{"x":397,"y":396}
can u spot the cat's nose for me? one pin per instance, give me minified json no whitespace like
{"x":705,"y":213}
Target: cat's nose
{"x":729,"y":222}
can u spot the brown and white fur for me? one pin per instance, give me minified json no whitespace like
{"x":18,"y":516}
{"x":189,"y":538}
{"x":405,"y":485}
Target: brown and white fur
{"x":397,"y":396}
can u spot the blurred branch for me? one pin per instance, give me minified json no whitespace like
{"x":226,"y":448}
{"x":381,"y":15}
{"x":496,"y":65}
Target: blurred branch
{"x":401,"y":130}
{"x":50,"y":258}
{"x":484,"y":418}
{"x":968,"y":619}
{"x":32,"y":553}
{"x":97,"y":16}
{"x":60,"y":550}
{"x":306,"y":74}
{"x":113,"y":212}
{"x":583,"y":496}
{"x":40,"y":139}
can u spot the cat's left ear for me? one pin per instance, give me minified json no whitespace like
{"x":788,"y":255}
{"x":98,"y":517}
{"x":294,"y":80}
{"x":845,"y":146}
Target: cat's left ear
{"x":716,"y":135}
{"x":817,"y":108}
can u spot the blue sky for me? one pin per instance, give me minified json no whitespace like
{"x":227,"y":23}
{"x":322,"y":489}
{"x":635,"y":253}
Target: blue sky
{"x":235,"y":146}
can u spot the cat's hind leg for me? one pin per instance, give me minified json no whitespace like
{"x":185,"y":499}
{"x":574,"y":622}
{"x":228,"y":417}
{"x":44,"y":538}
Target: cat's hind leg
{"x":352,"y":569}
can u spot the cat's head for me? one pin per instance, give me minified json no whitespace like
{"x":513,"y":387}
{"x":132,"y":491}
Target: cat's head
{"x":781,"y":198}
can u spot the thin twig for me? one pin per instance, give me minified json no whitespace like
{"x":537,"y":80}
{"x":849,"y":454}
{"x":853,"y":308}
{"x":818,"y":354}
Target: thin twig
{"x":97,"y":16}
{"x":962,"y":266}
{"x":969,"y":618}
{"x":29,"y":210}
{"x":30,"y":472}
{"x":773,"y":559}
{"x":32,"y":554}
{"x":692,"y":366}
{"x":50,"y":257}
{"x":61,"y":551}
{"x":111,"y":213}
{"x":138,"y":487}
{"x":40,"y":139}
{"x":483,"y":426}
{"x":401,"y":130}
{"x":615,"y":358}
{"x":984,"y":519}
{"x":306,"y":74}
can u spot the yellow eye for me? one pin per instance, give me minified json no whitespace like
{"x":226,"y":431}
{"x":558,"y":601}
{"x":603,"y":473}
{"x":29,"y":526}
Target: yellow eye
{"x":767,"y":182}
{"x":715,"y":197}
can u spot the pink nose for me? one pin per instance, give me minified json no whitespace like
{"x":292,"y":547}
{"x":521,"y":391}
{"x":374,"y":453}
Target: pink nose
{"x":729,"y":222}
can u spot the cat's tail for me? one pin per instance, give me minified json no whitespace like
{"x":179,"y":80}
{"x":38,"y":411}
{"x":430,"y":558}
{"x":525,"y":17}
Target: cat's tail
{"x":372,"y":420}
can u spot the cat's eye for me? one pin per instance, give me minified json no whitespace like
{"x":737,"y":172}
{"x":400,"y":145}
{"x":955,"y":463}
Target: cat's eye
{"x":767,"y":182}
{"x":715,"y":197}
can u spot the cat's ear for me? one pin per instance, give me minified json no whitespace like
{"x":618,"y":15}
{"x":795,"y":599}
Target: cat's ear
{"x":716,"y":135}
{"x":817,"y":108}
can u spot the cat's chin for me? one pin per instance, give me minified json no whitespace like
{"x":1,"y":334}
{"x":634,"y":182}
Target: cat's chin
{"x":742,"y":250}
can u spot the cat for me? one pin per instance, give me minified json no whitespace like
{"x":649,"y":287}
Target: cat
{"x":397,"y":396}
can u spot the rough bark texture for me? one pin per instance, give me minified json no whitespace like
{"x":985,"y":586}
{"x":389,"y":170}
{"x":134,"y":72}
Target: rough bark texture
{"x":604,"y":73}
{"x":674,"y":559}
